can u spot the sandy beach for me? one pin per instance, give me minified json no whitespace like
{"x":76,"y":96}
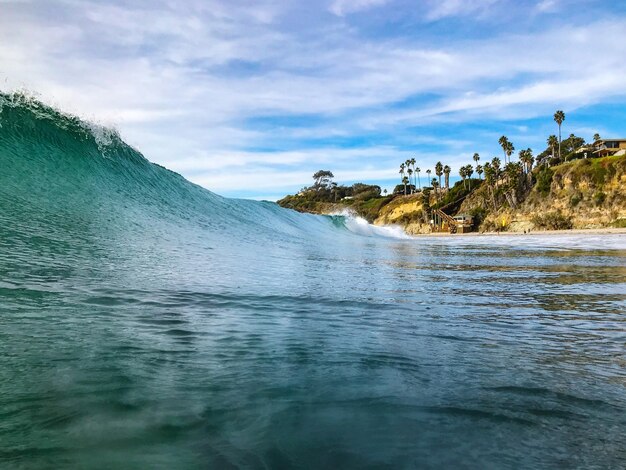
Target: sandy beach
{"x":592,"y":231}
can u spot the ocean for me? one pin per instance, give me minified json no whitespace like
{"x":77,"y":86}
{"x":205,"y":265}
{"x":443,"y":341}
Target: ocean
{"x":146,"y":322}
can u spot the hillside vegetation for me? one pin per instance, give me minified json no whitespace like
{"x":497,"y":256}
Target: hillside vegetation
{"x":584,"y":193}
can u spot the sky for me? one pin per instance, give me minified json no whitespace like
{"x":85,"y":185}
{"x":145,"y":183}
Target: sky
{"x":250,"y":98}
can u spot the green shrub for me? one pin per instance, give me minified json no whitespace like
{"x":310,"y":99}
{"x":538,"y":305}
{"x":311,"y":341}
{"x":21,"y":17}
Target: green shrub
{"x":553,"y":221}
{"x":544,"y":180}
{"x":494,"y":226}
{"x":599,"y":198}
{"x":575,"y":199}
{"x":619,"y":223}
{"x":478,"y":214}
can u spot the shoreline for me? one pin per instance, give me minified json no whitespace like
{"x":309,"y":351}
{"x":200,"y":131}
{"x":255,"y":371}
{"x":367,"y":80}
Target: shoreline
{"x":579,"y":231}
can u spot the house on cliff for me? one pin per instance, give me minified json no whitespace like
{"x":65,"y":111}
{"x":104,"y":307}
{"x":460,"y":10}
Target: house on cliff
{"x":607,"y":147}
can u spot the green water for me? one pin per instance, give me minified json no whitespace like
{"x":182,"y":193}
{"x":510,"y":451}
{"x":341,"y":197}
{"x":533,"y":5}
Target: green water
{"x":148,"y":323}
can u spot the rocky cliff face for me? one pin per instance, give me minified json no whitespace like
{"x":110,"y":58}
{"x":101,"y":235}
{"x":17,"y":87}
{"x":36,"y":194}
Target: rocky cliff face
{"x":587,"y":193}
{"x":405,"y":211}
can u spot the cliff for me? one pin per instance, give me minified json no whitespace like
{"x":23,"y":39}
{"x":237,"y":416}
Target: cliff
{"x":587,"y":193}
{"x":584,"y":193}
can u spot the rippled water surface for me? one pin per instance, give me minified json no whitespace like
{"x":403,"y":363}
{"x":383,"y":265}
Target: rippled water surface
{"x":368,"y":353}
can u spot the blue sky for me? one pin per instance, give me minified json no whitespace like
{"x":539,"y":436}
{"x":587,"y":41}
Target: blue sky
{"x":250,"y":98}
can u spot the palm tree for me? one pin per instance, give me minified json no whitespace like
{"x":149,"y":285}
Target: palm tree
{"x":559,"y":117}
{"x":487,"y":168}
{"x":410,"y":172}
{"x":428,"y":172}
{"x":405,"y":180}
{"x":495,"y":166}
{"x":435,"y":185}
{"x":463,"y":174}
{"x":512,"y":171}
{"x":446,"y":172}
{"x":527,"y":159}
{"x":413,"y":165}
{"x":523,"y":159}
{"x":439,"y":172}
{"x":419,"y":182}
{"x":476,"y":157}
{"x":552,"y":142}
{"x":596,"y":137}
{"x":490,"y":181}
{"x":504,"y":143}
{"x":385,"y":191}
{"x":509,"y":150}
{"x":572,"y":142}
{"x":479,"y":170}
{"x":469,"y":171}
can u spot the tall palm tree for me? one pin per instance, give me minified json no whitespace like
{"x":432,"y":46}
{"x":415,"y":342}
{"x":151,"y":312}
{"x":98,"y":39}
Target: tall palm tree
{"x":523,"y":158}
{"x":495,"y":166}
{"x":476,"y":157}
{"x":439,"y":172}
{"x":552,"y":142}
{"x":413,"y":165}
{"x":559,"y":117}
{"x":504,"y":143}
{"x":469,"y":171}
{"x":490,"y":181}
{"x":428,"y":172}
{"x":527,"y":160}
{"x":509,"y":150}
{"x":435,"y":185}
{"x":405,"y":180}
{"x":410,"y":172}
{"x":572,"y":139}
{"x":479,"y":170}
{"x":446,"y":172}
{"x":463,"y":174}
{"x":419,"y":182}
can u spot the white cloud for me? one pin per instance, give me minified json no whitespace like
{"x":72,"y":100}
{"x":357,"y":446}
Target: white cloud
{"x":183,"y":83}
{"x":547,"y":5}
{"x":444,"y":8}
{"x":345,"y":7}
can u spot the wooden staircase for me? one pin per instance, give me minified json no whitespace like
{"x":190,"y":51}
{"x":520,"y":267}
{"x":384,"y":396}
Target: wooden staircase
{"x":445,"y":221}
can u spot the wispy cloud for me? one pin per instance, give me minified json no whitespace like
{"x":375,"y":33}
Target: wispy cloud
{"x":344,"y":7}
{"x":547,"y":5}
{"x":444,"y":8}
{"x":219,"y":90}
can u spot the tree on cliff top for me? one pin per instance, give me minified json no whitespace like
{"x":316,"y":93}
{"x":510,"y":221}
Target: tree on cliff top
{"x":323,"y":179}
{"x":559,"y":117}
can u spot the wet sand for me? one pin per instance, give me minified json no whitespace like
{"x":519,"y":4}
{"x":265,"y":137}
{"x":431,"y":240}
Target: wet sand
{"x":591,"y":231}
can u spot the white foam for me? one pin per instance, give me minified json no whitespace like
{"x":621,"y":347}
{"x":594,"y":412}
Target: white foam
{"x":545,"y":240}
{"x":360,"y":226}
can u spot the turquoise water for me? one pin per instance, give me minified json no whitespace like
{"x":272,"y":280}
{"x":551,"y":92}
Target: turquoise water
{"x":148,"y":323}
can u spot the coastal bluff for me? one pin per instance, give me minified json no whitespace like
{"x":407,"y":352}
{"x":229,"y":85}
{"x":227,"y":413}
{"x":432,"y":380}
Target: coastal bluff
{"x":579,"y":194}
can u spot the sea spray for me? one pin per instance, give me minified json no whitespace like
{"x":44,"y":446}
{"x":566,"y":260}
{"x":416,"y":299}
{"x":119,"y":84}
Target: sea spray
{"x":358,"y":225}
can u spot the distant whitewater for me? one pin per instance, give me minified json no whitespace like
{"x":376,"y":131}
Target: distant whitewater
{"x":146,"y":322}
